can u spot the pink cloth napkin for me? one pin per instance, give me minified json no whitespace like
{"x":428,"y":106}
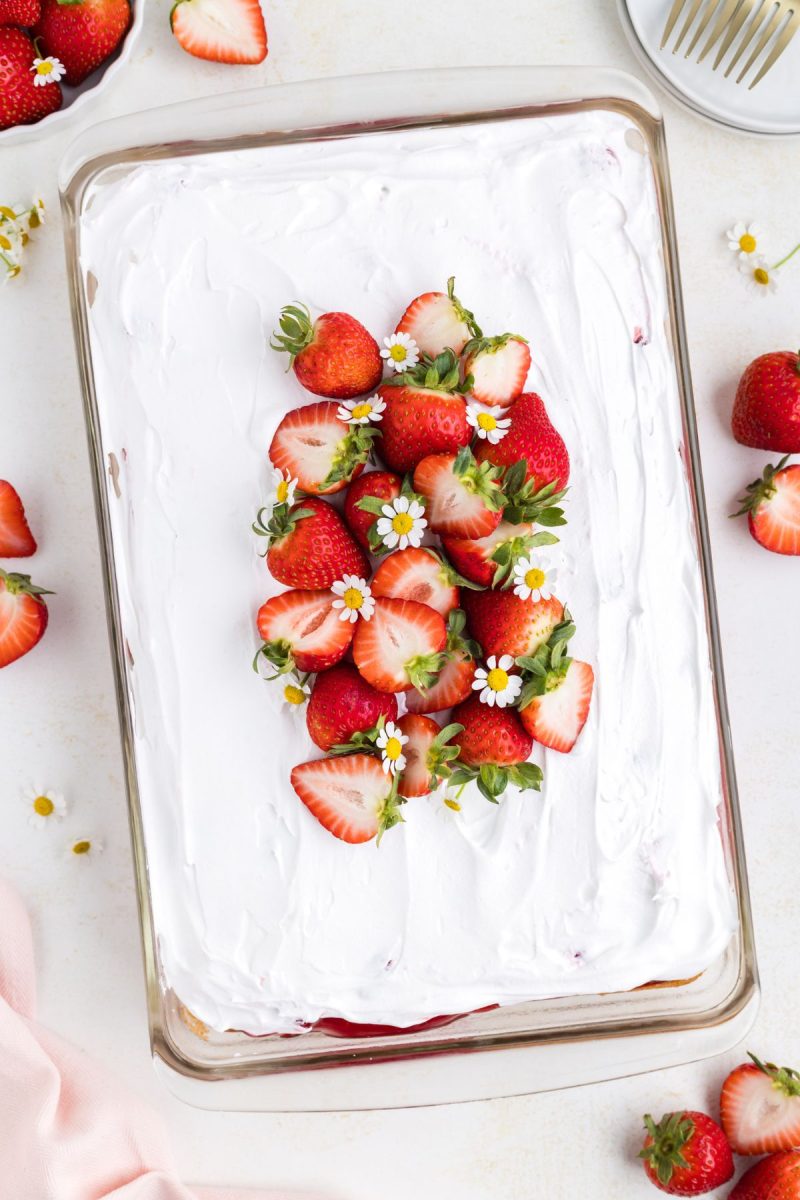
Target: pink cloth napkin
{"x":67,"y":1130}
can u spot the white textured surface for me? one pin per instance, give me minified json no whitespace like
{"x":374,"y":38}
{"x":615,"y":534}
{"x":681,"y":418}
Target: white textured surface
{"x":58,"y":718}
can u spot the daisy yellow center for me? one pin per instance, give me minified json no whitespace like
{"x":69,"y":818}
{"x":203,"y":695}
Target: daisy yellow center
{"x":294,"y":695}
{"x":282,"y":492}
{"x":4,"y":242}
{"x":747,"y":243}
{"x":82,"y":847}
{"x":44,"y":68}
{"x":497,"y":679}
{"x":362,"y":410}
{"x":456,"y":807}
{"x":398,"y":353}
{"x":761,"y":276}
{"x":402,"y":523}
{"x":44,"y":806}
{"x":353,"y":598}
{"x":487,"y":421}
{"x":393,"y":749}
{"x":534,"y":578}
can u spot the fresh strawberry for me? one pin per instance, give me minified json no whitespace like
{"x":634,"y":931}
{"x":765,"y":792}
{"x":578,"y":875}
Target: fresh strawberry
{"x":773,"y":1178}
{"x":333,"y":356}
{"x":760,"y":1108}
{"x":494,"y":749}
{"x":425,"y":413}
{"x":766,"y":411}
{"x":463,"y":499}
{"x":686,"y":1154}
{"x":504,"y":623}
{"x":772,"y":504}
{"x":343,"y":703}
{"x":428,"y":754}
{"x":350,"y":796}
{"x":489,"y":560}
{"x":438,"y":321}
{"x":401,"y":646}
{"x":499,"y":368}
{"x":531,"y":437}
{"x":376,"y":485}
{"x":320,"y":451}
{"x":454,"y":683}
{"x":81,"y":33}
{"x":309,"y":545}
{"x":227,"y":31}
{"x":417,"y":574}
{"x":302,"y":630}
{"x":19,"y":12}
{"x":23,"y":616}
{"x":556,"y":716}
{"x":21,"y":102}
{"x":16,"y":539}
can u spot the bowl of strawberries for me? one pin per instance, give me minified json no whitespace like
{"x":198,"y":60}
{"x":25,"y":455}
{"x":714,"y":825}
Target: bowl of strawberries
{"x":55,"y":55}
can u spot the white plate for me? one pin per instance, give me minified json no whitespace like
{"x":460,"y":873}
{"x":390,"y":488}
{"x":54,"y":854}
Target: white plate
{"x":772,"y":107}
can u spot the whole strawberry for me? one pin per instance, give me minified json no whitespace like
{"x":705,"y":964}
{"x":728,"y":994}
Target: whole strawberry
{"x":82,"y":34}
{"x":334,"y":356}
{"x":531,"y":437}
{"x":19,"y":12}
{"x":343,"y":703}
{"x":774,"y":1178}
{"x":766,"y":411}
{"x":309,"y":545}
{"x":21,"y":101}
{"x":425,"y":413}
{"x":686,"y":1154}
{"x":493,"y":750}
{"x":376,"y":485}
{"x":772,"y":504}
{"x":505,"y":623}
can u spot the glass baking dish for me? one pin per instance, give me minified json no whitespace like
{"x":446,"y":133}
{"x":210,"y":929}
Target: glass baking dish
{"x":540,"y":1044}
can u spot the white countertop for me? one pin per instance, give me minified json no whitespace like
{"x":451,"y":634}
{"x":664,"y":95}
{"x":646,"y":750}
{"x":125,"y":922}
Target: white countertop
{"x":58,"y":724}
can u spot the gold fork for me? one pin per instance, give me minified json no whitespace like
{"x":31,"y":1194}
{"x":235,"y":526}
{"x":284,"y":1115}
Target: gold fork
{"x":770,"y":24}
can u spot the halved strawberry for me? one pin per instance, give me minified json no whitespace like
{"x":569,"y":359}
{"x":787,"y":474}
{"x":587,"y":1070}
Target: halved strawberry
{"x":302,"y":630}
{"x":350,"y":796}
{"x":417,"y":574}
{"x":23,"y":616}
{"x":438,"y":321}
{"x":772,"y":504}
{"x":760,"y":1108}
{"x":320,"y":451}
{"x":463,"y":499}
{"x":342,"y":703}
{"x":454,"y":683}
{"x":333,"y":356}
{"x":499,"y":367}
{"x":428,"y":754}
{"x":556,"y":717}
{"x":425,"y":413}
{"x":377,"y":485}
{"x":16,"y":539}
{"x":489,"y":560}
{"x":504,"y":623}
{"x":401,"y":646}
{"x":228,"y":31}
{"x":494,"y":749}
{"x":309,"y":545}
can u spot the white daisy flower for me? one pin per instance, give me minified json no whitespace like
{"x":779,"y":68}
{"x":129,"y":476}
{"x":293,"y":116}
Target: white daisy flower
{"x":760,"y":276}
{"x":496,"y":685}
{"x":361,"y":412}
{"x":488,"y":423}
{"x":34,"y":217}
{"x":43,"y":806}
{"x":743,"y":239}
{"x":532,"y":582}
{"x":47,"y":70}
{"x":390,"y":742}
{"x":354,"y":598}
{"x":403,"y":523}
{"x":294,"y":694}
{"x":85,"y":848}
{"x":283,"y":487}
{"x":400,"y":351}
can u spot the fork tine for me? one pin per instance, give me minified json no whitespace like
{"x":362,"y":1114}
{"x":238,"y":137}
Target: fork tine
{"x":703,"y":25}
{"x":687,"y":24}
{"x":778,"y":13}
{"x":743,"y":12}
{"x":674,"y":13}
{"x":725,"y":14}
{"x":779,"y":47}
{"x":761,"y":13}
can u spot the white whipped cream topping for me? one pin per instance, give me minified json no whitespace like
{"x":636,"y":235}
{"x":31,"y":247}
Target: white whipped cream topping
{"x":614,"y":874}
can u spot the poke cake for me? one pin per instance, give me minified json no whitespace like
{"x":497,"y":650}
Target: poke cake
{"x":394,"y":420}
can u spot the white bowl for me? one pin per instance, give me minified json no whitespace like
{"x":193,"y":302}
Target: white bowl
{"x":76,"y":99}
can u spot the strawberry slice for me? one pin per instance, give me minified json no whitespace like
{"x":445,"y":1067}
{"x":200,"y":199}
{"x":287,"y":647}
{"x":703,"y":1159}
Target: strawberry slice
{"x":438,"y":321}
{"x":417,"y":574}
{"x":375,"y":485}
{"x":16,"y":539}
{"x":428,"y":754}
{"x":23,"y":616}
{"x":350,"y":796}
{"x":760,"y":1108}
{"x":499,"y":368}
{"x":454,"y":683}
{"x":320,"y":451}
{"x":556,"y":717}
{"x":227,"y":31}
{"x":401,"y":646}
{"x":463,"y":499}
{"x":772,"y":504}
{"x":490,"y":560}
{"x":504,"y":623}
{"x":302,"y":630}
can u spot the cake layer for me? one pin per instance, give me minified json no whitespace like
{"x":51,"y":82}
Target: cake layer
{"x":614,"y":874}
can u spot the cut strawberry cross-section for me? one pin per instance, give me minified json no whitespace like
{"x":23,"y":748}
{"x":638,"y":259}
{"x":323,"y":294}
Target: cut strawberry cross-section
{"x":499,"y":367}
{"x":772,"y":504}
{"x":429,"y":754}
{"x":350,"y":796}
{"x":302,"y":630}
{"x":438,"y":321}
{"x":16,"y":539}
{"x":463,"y":499}
{"x":228,"y":31}
{"x":23,"y":616}
{"x":401,"y":646}
{"x":454,"y":682}
{"x":318,"y":449}
{"x":418,"y":574}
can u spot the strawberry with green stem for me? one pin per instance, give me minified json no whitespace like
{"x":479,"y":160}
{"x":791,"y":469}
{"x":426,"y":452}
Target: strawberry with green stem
{"x":301,"y":631}
{"x":81,"y":34}
{"x":557,"y":692}
{"x":503,"y":623}
{"x":421,"y":574}
{"x":686,"y":1154}
{"x":425,"y":412}
{"x":772,"y":505}
{"x":376,"y":486}
{"x":350,"y":796}
{"x":760,"y":1108}
{"x":343,"y":704}
{"x":322,"y":452}
{"x":401,"y":646}
{"x":499,"y":368}
{"x":454,"y":682}
{"x":438,"y":321}
{"x":533,"y":438}
{"x":462,"y":497}
{"x":494,"y":749}
{"x":399,"y":533}
{"x":333,"y":356}
{"x":429,"y":754}
{"x":23,"y":615}
{"x":309,"y":545}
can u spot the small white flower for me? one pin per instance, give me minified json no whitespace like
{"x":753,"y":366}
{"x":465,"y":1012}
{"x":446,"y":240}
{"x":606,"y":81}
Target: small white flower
{"x":400,"y":351}
{"x":43,"y":806}
{"x":496,"y":685}
{"x":759,"y":275}
{"x":532,"y":582}
{"x":403,"y":523}
{"x":294,"y":694}
{"x":354,"y":598}
{"x":361,"y":412}
{"x":743,"y":239}
{"x":85,"y":848}
{"x":47,"y":70}
{"x":390,"y":742}
{"x":488,"y":423}
{"x":283,"y":487}
{"x":34,"y":217}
